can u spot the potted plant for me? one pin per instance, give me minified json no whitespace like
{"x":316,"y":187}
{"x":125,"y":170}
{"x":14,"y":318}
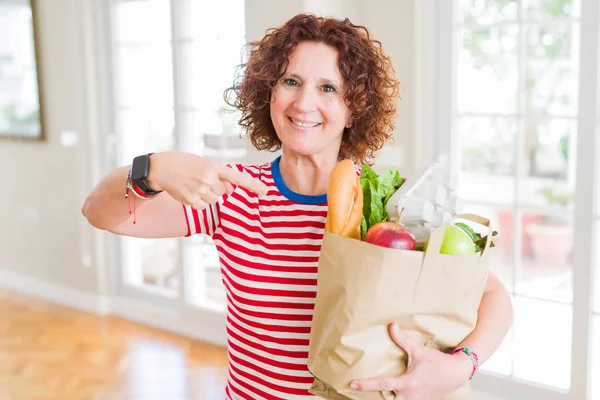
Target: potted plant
{"x":551,"y":235}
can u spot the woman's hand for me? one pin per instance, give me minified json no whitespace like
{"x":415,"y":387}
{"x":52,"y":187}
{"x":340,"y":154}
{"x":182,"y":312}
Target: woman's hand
{"x":197,"y":181}
{"x":430,"y":374}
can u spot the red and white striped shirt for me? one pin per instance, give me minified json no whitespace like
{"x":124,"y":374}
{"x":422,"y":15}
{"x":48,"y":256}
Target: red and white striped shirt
{"x":269,"y":251}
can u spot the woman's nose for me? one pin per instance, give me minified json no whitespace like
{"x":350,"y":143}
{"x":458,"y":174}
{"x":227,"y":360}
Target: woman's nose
{"x":306,"y":100}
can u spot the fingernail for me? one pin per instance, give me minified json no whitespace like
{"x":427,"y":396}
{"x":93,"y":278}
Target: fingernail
{"x":354,"y":386}
{"x":395,"y":328}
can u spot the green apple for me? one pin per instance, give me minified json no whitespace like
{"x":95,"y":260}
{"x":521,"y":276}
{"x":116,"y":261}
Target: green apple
{"x":456,"y":242}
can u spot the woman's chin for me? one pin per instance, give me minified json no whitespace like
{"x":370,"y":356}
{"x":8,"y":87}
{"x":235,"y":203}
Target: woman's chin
{"x":306,"y":149}
{"x":300,"y":149}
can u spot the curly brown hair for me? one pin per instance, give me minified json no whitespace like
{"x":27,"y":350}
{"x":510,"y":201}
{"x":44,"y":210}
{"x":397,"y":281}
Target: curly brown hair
{"x":372,"y":88}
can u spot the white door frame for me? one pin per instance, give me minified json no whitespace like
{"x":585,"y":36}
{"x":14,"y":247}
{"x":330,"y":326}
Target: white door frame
{"x":174,"y":315}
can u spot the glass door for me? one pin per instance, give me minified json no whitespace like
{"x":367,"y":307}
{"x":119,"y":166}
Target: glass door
{"x":144,"y":115}
{"x":172,"y":61}
{"x":209,"y":40}
{"x":513,"y":111}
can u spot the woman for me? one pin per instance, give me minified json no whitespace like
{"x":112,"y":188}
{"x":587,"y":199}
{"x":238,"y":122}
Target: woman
{"x":320,"y":90}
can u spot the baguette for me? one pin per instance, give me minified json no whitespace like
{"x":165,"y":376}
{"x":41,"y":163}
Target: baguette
{"x":344,"y":201}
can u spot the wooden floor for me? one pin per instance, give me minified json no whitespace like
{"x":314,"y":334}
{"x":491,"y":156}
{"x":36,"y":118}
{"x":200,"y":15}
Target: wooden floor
{"x":51,"y":352}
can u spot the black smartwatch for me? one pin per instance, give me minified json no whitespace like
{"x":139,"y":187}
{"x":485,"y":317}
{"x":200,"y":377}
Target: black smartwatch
{"x":139,"y":173}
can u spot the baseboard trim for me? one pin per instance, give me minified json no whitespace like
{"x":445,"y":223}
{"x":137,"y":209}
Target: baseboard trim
{"x":69,"y":297}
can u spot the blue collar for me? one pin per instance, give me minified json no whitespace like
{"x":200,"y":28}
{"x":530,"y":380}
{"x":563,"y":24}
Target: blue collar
{"x":291,"y":195}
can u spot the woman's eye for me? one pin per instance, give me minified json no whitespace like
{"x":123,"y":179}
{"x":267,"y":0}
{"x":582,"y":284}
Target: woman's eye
{"x":290,"y":82}
{"x":329,"y":89}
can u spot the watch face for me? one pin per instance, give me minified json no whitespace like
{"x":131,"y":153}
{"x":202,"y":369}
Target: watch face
{"x":139,"y":168}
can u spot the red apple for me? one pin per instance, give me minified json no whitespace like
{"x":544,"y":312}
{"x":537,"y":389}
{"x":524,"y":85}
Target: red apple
{"x":392,"y":235}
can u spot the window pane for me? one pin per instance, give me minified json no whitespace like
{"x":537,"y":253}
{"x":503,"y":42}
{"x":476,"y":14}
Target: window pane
{"x":191,"y":132}
{"x":552,"y":67}
{"x":151,"y":264}
{"x":486,"y":156}
{"x":203,"y":274}
{"x":545,"y":9}
{"x":218,"y":19}
{"x":487,"y":70}
{"x":207,"y":80}
{"x":213,"y":134}
{"x":542,"y":342}
{"x":547,"y":195}
{"x":550,"y":153}
{"x":210,"y":57}
{"x":145,"y":76}
{"x":546,"y":268}
{"x":143,"y":21}
{"x":595,"y":358}
{"x":488,"y":11}
{"x":142,"y":131}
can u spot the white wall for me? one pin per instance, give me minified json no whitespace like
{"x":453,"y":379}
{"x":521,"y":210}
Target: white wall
{"x":393,"y":24}
{"x":42,"y":234}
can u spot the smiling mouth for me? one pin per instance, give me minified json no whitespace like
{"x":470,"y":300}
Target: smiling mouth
{"x":303,"y":124}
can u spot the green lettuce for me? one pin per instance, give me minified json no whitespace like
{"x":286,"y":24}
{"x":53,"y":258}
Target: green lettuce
{"x":377,"y":189}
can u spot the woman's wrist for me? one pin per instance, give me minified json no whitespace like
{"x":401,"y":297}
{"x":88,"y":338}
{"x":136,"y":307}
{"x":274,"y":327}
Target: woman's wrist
{"x":469,"y":361}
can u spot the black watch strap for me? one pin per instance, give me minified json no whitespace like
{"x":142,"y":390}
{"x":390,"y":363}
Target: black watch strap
{"x":140,"y":167}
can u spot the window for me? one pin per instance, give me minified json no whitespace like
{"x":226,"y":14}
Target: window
{"x":513,"y":76}
{"x":515,"y":125}
{"x":172,"y":62}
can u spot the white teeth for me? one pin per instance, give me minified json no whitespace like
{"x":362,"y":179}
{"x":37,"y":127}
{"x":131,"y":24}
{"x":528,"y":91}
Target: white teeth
{"x":305,"y":124}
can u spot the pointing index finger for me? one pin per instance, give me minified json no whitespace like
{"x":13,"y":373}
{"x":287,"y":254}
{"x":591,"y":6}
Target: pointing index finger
{"x":236,"y":177}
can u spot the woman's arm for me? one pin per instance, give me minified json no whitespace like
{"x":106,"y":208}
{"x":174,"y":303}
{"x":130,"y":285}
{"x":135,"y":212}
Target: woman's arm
{"x":495,"y":317}
{"x":184,"y":178}
{"x":107,"y":208}
{"x":432,"y":374}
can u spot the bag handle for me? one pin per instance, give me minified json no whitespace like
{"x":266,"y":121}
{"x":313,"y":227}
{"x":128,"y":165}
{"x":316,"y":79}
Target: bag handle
{"x":478,"y":219}
{"x":437,"y":237}
{"x":485,"y":253}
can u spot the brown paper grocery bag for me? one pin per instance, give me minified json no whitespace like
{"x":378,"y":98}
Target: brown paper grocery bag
{"x":362,"y":288}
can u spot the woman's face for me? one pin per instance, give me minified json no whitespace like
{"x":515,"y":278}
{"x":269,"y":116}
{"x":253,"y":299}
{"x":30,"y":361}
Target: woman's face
{"x":307,"y":104}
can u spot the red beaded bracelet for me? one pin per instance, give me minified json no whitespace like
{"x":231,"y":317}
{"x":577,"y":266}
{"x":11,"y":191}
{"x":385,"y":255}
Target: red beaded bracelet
{"x":129,"y":185}
{"x":472,"y":356}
